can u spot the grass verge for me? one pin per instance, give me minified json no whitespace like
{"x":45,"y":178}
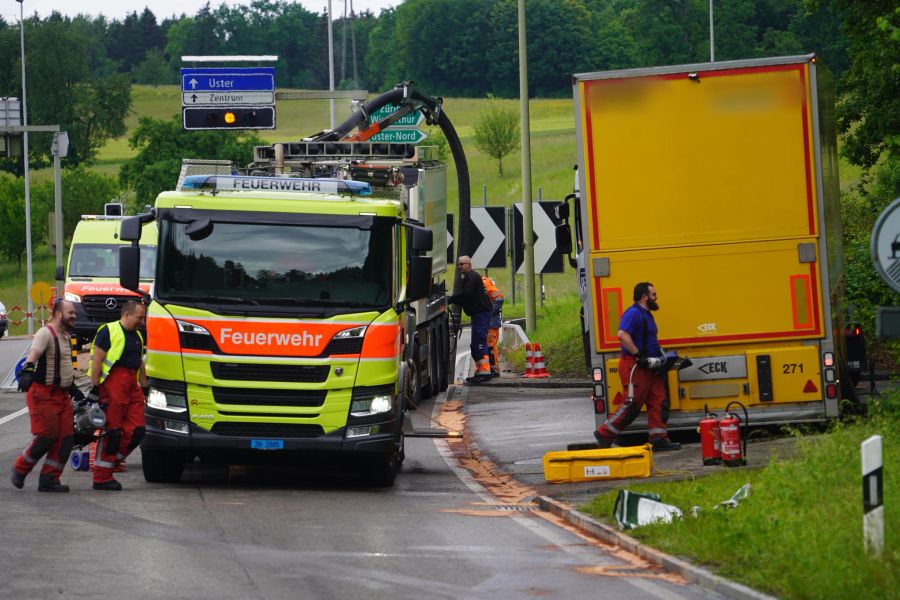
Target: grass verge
{"x":558,"y":332}
{"x":799,"y":534}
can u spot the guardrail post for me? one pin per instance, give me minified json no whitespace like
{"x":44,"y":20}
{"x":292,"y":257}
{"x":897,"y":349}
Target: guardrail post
{"x":873,"y":495}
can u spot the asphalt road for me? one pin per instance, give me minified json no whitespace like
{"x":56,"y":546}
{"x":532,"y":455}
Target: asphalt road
{"x":304,"y":532}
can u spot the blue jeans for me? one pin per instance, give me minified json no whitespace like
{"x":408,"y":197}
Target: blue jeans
{"x":480,"y":323}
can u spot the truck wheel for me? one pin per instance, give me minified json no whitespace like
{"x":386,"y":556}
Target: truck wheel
{"x":162,"y":466}
{"x":429,"y":388}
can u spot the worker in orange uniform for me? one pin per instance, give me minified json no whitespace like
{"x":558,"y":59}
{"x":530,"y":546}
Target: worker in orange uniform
{"x":48,"y":380}
{"x":119,"y":384}
{"x":493,"y":334}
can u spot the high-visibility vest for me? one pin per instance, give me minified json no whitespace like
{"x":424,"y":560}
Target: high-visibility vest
{"x":116,"y":348}
{"x":491,"y":289}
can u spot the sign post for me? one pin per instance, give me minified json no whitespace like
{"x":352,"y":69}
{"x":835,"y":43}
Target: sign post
{"x":228,"y":98}
{"x":873,"y":495}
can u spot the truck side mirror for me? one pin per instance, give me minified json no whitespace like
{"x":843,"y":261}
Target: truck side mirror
{"x":130,"y":230}
{"x":562,"y":211}
{"x":199,"y":229}
{"x":564,"y":239}
{"x":129,"y":267}
{"x":422,"y":239}
{"x":60,"y":273}
{"x":418,"y":285}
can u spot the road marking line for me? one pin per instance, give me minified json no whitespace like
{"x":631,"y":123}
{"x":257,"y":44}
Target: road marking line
{"x":18,"y":413}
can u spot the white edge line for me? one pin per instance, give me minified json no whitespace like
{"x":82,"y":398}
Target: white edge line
{"x":18,"y":413}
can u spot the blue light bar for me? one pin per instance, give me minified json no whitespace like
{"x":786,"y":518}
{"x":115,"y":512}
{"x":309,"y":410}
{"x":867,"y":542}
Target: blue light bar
{"x":300,"y":185}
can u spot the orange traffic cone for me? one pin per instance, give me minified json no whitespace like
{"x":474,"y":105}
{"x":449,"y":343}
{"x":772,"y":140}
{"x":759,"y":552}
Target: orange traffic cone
{"x":529,"y":370}
{"x":539,"y":369}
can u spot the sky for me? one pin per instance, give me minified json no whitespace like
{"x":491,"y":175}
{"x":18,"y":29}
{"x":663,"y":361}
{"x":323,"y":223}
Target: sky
{"x":117,"y":9}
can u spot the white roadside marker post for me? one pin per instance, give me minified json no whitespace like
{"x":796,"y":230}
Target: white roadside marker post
{"x":873,"y":495}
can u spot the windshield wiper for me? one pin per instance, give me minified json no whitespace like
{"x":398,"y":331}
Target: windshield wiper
{"x":313,"y":302}
{"x":219,"y":299}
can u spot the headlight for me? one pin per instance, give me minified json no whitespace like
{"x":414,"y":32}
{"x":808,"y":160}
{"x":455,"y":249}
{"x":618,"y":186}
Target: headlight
{"x":370,"y":406}
{"x":191,"y":328}
{"x":166,"y":401}
{"x":356,"y":332}
{"x":72,"y":297}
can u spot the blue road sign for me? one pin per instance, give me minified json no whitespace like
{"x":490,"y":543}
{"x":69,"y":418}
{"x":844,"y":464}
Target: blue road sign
{"x":228,"y":79}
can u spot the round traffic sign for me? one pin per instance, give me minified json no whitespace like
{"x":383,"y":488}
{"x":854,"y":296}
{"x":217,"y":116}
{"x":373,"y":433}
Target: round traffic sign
{"x":886,"y":245}
{"x":41,"y":293}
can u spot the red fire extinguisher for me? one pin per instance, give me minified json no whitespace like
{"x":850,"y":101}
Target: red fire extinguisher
{"x":709,"y":438}
{"x":730,"y":436}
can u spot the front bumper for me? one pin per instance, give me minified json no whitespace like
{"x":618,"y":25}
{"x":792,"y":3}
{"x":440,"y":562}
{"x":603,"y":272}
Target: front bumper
{"x":232,"y":448}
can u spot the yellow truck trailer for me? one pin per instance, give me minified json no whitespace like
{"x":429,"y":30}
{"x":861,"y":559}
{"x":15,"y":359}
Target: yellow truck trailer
{"x":718,"y":183}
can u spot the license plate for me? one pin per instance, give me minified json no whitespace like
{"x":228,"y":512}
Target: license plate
{"x":267,"y":444}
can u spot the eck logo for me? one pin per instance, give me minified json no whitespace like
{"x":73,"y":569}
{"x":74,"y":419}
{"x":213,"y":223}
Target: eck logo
{"x":707,"y":328}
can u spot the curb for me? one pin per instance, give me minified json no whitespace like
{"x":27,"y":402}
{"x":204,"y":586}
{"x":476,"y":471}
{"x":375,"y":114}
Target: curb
{"x":536,"y":383}
{"x":689,"y":572}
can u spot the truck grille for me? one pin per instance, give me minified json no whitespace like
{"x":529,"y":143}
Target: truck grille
{"x":256,"y":397}
{"x":96,"y":306}
{"x":272,"y":430}
{"x":269,"y":372}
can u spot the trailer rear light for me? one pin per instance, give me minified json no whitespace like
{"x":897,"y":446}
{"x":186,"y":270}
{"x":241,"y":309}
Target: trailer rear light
{"x":599,"y":392}
{"x":829,"y":376}
{"x":831,"y":391}
{"x":597,"y":374}
{"x":599,"y":406}
{"x":828,"y":359}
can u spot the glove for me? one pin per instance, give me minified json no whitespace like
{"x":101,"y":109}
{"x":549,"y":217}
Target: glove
{"x":77,"y":394}
{"x":26,"y":376}
{"x":642,"y":359}
{"x":94,"y":394}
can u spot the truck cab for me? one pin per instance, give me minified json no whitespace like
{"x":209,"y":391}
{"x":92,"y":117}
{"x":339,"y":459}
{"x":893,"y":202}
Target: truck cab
{"x":92,"y":276}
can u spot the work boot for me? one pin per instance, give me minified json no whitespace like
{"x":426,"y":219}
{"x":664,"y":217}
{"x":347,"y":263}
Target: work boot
{"x":494,"y":374}
{"x":17,"y":478}
{"x":51,"y":484}
{"x":476,"y":379}
{"x":664,"y":444}
{"x":108,"y":486}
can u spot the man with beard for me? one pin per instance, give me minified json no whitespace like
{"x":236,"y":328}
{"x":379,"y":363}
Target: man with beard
{"x":638,"y":334}
{"x":47,"y":378}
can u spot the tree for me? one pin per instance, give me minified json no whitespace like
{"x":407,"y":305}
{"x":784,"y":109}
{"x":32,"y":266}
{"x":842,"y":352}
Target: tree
{"x":83,"y":193}
{"x":497,"y":132}
{"x":162,"y":144}
{"x":12,"y":219}
{"x":154,"y":69}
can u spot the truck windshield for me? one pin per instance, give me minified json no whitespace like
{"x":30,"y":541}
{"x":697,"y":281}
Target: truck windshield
{"x":277,"y":265}
{"x":102,"y":260}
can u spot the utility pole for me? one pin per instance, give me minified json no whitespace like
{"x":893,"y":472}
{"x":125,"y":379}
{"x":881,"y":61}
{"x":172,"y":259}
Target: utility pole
{"x":28,"y":265}
{"x":527,"y":218}
{"x":330,"y":65}
{"x":712,"y":37}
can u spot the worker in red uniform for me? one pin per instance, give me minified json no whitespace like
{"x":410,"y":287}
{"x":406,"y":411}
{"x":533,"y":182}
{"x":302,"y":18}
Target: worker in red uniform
{"x":638,"y":334}
{"x":119,"y":383}
{"x":47,"y":378}
{"x":493,"y":333}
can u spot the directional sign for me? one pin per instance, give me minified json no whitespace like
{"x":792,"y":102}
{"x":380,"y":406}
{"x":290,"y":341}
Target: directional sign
{"x":885,"y":246}
{"x":226,"y":98}
{"x":450,"y":258}
{"x":399,"y":136}
{"x":488,"y":231}
{"x":411,"y":120}
{"x":228,"y":79}
{"x":546,"y":259}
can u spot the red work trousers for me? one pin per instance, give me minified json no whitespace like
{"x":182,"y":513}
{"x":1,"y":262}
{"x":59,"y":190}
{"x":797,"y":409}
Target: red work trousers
{"x":649,"y":389}
{"x":50,"y":410}
{"x":124,"y":414}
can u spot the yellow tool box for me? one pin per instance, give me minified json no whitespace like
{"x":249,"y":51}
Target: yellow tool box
{"x":592,"y":465}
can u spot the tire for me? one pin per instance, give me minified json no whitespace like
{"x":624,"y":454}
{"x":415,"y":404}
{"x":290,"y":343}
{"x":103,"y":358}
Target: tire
{"x":162,"y":466}
{"x":381,"y":471}
{"x":444,"y":362}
